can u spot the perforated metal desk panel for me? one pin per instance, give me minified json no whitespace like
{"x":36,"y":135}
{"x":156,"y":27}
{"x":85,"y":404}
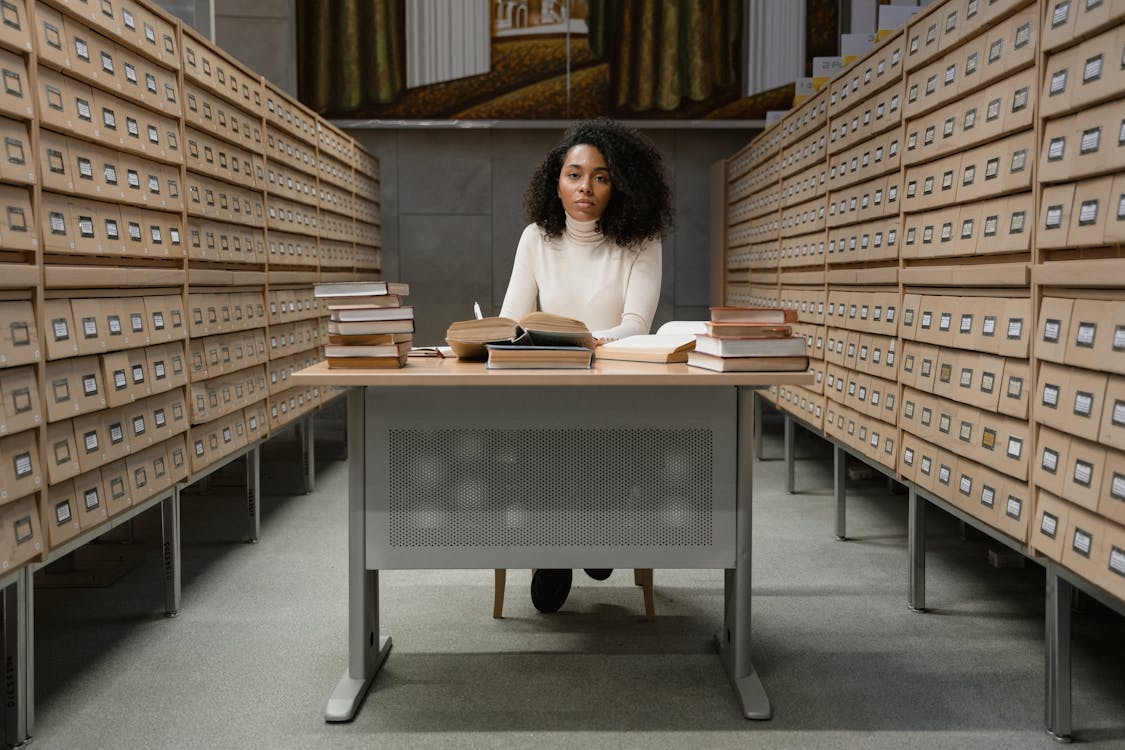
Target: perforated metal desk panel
{"x":624,"y":465}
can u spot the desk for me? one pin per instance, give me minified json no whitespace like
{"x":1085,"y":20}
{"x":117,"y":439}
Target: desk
{"x":625,"y":465}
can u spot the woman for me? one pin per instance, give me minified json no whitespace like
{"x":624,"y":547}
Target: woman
{"x":598,"y":206}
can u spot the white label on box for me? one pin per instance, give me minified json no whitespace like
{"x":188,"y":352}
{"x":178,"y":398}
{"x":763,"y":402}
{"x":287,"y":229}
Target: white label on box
{"x":1083,"y":472}
{"x":1093,"y":69}
{"x":199,"y":447}
{"x":1050,"y":395}
{"x":58,"y":224}
{"x":81,"y":49}
{"x":1050,"y":460}
{"x":61,"y":331}
{"x":950,"y":74}
{"x":1015,"y":328}
{"x":23,"y":465}
{"x":925,"y":465}
{"x":966,"y":322}
{"x":90,"y":327}
{"x":1049,"y":525}
{"x":150,"y":82}
{"x":138,"y":374}
{"x":137,"y":322}
{"x":132,"y":127}
{"x":966,"y":433}
{"x":967,"y":229}
{"x":138,"y":425}
{"x":89,"y":385}
{"x":91,"y":498}
{"x":927,"y":320}
{"x":970,"y":119}
{"x":130,"y":73}
{"x":1082,"y":542}
{"x":1019,"y":160}
{"x":1062,"y":11}
{"x":62,"y":512}
{"x":1088,"y":213}
{"x":1119,"y":338}
{"x":1083,"y":403}
{"x":1019,"y":101}
{"x":1058,"y":83}
{"x":944,"y":321}
{"x":991,"y":224}
{"x":966,"y":378}
{"x":1023,"y":35}
{"x":91,"y":442}
{"x":987,"y":496}
{"x":1086,"y":333}
{"x":1015,"y":447}
{"x":1117,"y":486}
{"x":996,"y":50}
{"x":1051,"y":330}
{"x":159,"y":418}
{"x":1015,"y":387}
{"x":1014,"y":507}
{"x":966,"y":485}
{"x":943,"y":474}
{"x":1117,"y":561}
{"x":115,"y":434}
{"x":114,"y":325}
{"x":107,"y":62}
{"x":1054,"y":217}
{"x":1056,"y":148}
{"x":1091,"y":140}
{"x":1119,"y":413}
{"x":133,"y":179}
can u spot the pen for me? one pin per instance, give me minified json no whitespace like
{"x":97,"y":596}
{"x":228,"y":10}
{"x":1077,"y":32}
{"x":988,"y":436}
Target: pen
{"x":476,"y":310}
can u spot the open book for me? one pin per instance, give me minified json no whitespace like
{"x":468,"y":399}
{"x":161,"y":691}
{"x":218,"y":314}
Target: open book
{"x":651,"y":347}
{"x":468,"y":338}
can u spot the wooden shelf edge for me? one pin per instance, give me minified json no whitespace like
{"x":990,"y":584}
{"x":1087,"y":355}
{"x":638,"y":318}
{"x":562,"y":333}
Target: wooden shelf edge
{"x":984,"y":274}
{"x":80,"y":277}
{"x":18,"y":276}
{"x":1102,"y":272}
{"x":874,"y":276}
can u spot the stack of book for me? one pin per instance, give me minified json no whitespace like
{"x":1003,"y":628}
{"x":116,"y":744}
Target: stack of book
{"x":538,"y":340}
{"x":750,"y":339}
{"x":368,"y":325}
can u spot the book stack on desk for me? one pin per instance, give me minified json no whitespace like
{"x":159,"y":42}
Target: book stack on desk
{"x":368,"y":325}
{"x":750,"y":339}
{"x":538,"y":341}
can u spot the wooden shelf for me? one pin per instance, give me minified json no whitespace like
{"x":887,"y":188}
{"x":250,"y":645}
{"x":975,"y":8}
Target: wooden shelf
{"x":983,"y":274}
{"x":1104,"y":272}
{"x":85,"y":277}
{"x":872,"y":276}
{"x":18,"y":276}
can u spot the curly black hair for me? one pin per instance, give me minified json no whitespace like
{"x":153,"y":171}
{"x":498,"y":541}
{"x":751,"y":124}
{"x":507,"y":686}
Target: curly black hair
{"x":640,"y":204}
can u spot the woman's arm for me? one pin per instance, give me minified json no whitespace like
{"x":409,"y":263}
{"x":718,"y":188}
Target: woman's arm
{"x":642,"y":294}
{"x":520,"y":299}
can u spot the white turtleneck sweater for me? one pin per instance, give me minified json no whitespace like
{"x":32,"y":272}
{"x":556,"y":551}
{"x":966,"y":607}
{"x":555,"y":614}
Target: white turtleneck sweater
{"x":587,"y":276}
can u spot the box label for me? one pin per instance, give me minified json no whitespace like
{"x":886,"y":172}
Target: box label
{"x":1082,"y":542}
{"x":1014,"y":507}
{"x":1049,"y":525}
{"x":1083,"y":403}
{"x":1083,"y":472}
{"x":1050,"y":395}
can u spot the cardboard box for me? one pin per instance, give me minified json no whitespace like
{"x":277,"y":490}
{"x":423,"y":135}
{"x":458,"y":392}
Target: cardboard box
{"x":19,"y":343}
{"x":1112,"y":429}
{"x":90,"y":493}
{"x":1054,"y":327}
{"x":21,"y":537}
{"x":1092,"y":202}
{"x":137,"y":422}
{"x":1110,"y":561}
{"x":21,"y":409}
{"x":116,"y":371}
{"x":115,"y":482}
{"x":1097,"y":336}
{"x":15,"y":94}
{"x":62,"y":513}
{"x":1084,"y":532}
{"x":1114,"y":230}
{"x":1111,"y":504}
{"x":116,"y":431}
{"x":1048,"y":529}
{"x":1014,"y":399}
{"x":92,"y":441}
{"x":1014,"y":514}
{"x":1095,"y":62}
{"x":62,"y":452}
{"x":1083,"y":473}
{"x":1052,"y":460}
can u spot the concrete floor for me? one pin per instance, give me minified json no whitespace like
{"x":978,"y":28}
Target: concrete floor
{"x":259,"y":643}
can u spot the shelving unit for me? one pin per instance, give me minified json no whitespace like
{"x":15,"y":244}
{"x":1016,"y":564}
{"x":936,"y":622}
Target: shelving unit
{"x":944,"y":217}
{"x":156,"y":197}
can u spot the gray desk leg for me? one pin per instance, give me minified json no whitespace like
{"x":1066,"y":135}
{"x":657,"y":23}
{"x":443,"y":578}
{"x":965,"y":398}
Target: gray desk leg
{"x":734,"y":641}
{"x":758,"y":426}
{"x":916,"y":550}
{"x":27,"y":585}
{"x":17,"y":682}
{"x":840,"y":482}
{"x":790,"y":454}
{"x":308,"y":456}
{"x":367,"y":649}
{"x":170,"y":531}
{"x":1058,"y":656}
{"x":253,"y":494}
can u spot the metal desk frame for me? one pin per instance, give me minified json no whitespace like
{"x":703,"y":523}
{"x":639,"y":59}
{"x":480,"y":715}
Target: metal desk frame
{"x":368,"y":648}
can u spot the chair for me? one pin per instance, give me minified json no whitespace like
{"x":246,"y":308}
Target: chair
{"x":641,"y":577}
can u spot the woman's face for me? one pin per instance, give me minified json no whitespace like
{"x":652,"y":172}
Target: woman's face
{"x":584,"y":185}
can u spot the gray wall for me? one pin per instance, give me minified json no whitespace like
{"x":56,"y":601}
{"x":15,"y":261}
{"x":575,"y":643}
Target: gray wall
{"x":452,"y":198}
{"x":452,"y":205}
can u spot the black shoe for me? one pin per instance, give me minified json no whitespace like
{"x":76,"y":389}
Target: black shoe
{"x":549,"y":588}
{"x":599,"y":574}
